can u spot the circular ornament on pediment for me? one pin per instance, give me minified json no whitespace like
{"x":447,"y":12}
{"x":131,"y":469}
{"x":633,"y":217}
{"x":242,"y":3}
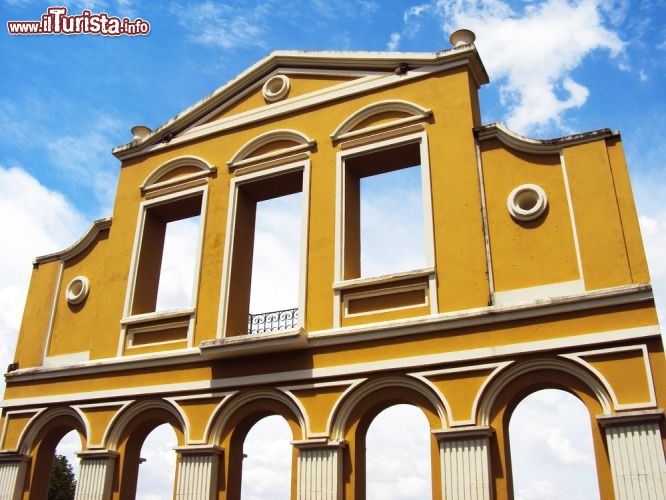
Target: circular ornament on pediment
{"x":276,"y":87}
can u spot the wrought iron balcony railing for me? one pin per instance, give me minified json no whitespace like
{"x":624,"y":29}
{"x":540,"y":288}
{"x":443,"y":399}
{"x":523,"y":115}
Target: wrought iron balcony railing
{"x":272,"y":321}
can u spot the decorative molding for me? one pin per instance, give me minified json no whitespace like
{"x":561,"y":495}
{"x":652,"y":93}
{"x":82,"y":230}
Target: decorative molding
{"x":358,"y":369}
{"x":346,"y":129}
{"x":578,"y":357}
{"x":77,"y":290}
{"x":243,"y":157}
{"x":440,"y":322}
{"x":420,"y":64}
{"x":539,"y":146}
{"x":80,"y":246}
{"x":153,"y":183}
{"x":527,"y":202}
{"x":276,"y":88}
{"x":602,"y":393}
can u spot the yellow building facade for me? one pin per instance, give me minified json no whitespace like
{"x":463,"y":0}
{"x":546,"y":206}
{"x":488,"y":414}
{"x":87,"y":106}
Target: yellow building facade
{"x":533,"y":276}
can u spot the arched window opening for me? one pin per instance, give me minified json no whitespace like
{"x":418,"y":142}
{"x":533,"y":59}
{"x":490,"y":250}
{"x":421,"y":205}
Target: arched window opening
{"x":398,"y":455}
{"x":267,"y":460}
{"x":65,"y":469}
{"x":552,"y":455}
{"x":158,"y":464}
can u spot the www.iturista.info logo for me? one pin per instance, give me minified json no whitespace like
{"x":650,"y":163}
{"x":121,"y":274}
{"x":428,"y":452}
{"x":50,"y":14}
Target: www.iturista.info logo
{"x":56,"y":21}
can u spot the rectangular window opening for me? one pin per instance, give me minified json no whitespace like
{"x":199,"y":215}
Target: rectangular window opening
{"x":384,"y":228}
{"x":168,"y":256}
{"x":265,"y":275}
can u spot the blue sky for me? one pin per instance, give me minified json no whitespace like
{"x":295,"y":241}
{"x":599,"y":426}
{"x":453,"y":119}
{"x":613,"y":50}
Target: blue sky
{"x":556,"y":67}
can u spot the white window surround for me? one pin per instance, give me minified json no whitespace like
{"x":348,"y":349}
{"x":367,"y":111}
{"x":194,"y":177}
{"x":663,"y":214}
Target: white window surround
{"x":248,"y":177}
{"x":341,"y":284}
{"x":130,"y":319}
{"x":422,"y":140}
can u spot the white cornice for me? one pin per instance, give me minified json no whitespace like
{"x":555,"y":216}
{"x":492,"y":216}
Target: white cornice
{"x":480,"y":354}
{"x":81,"y":245}
{"x":538,"y":146}
{"x":368,"y":61}
{"x":445,"y":321}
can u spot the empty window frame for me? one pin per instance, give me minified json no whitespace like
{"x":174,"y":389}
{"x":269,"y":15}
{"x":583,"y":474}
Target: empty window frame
{"x":385,"y":220}
{"x":253,"y":274}
{"x":167,"y":254}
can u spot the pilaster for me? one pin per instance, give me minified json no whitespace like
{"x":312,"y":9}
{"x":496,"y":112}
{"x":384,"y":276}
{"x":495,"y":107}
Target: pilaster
{"x":95,"y":475}
{"x":196,"y":478}
{"x":636,"y":453}
{"x":465,"y":462}
{"x":319,"y":470}
{"x":13,"y":467}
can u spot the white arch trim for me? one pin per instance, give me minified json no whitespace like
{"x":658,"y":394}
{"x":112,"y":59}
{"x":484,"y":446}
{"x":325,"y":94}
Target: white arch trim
{"x":123,"y":418}
{"x":517,"y":370}
{"x":244,"y":155}
{"x":41,"y":420}
{"x":415,"y":112}
{"x":153,"y":182}
{"x":642,"y":349}
{"x":496,"y":368}
{"x":175,"y":401}
{"x":353,"y":396}
{"x":235,"y":403}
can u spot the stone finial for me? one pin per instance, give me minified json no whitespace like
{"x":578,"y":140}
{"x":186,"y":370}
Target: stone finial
{"x":462,"y":37}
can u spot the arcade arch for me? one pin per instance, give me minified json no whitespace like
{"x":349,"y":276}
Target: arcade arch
{"x":40,"y":442}
{"x":236,"y":419}
{"x":129,"y":432}
{"x":363,"y":404}
{"x":505,"y":393}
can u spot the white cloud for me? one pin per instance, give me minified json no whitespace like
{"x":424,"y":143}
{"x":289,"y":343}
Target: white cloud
{"x":531,"y":54}
{"x":34,"y":221}
{"x":551,"y":448}
{"x":275,"y":266}
{"x":85,"y":158}
{"x":157,"y":473}
{"x":534,"y":53}
{"x":267,"y":467}
{"x":403,"y":475}
{"x":393,"y":42}
{"x":223,"y":25}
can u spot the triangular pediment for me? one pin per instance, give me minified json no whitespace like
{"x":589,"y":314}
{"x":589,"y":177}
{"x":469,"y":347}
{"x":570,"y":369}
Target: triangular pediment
{"x":287,"y":82}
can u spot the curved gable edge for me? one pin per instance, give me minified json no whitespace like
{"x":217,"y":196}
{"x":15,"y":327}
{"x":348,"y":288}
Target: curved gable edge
{"x":538,"y":146}
{"x":88,"y":239}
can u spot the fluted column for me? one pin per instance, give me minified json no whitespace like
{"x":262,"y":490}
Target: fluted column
{"x":196,"y":478}
{"x":95,"y":475}
{"x":465,"y":462}
{"x":319,"y":470}
{"x":636,"y":454}
{"x":13,"y":467}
